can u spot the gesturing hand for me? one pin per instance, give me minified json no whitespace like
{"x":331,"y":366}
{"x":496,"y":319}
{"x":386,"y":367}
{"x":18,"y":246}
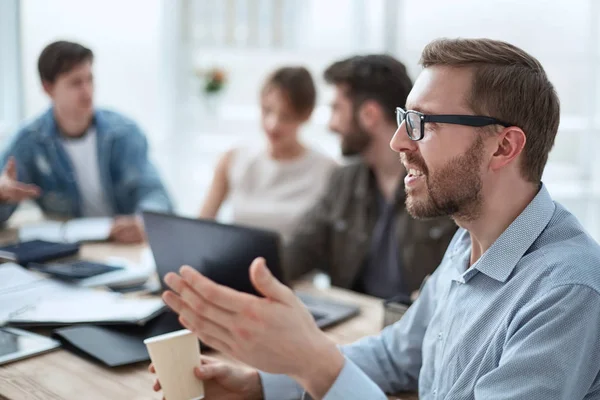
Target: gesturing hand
{"x":11,"y":190}
{"x":276,"y":333}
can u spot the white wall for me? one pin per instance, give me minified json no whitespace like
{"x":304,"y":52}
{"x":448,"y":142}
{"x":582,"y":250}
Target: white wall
{"x":130,"y":39}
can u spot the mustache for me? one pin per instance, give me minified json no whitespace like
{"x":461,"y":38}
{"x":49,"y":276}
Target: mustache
{"x":415,"y":161}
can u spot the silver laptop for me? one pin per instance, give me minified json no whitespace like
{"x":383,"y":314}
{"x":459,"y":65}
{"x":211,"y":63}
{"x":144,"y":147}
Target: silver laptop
{"x":223,"y":253}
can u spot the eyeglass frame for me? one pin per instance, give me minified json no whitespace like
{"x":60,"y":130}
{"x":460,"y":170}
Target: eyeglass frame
{"x":455,"y":119}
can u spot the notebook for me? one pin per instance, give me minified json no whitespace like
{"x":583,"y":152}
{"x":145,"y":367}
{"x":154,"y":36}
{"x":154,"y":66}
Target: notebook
{"x":115,"y":346}
{"x":112,"y":348}
{"x":72,"y":231}
{"x":37,"y":251}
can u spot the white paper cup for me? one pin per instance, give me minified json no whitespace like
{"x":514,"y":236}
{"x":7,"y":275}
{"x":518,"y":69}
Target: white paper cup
{"x":174,"y":356}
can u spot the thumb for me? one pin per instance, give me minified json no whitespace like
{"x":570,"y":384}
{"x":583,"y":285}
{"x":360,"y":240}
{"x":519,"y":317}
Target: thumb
{"x":11,"y":168}
{"x":266,"y":284}
{"x":212,"y":371}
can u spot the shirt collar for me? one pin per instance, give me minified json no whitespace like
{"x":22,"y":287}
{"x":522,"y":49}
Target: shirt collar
{"x":52,"y":131}
{"x":499,"y":261}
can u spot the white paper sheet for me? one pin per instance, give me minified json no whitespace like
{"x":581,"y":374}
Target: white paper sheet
{"x":26,"y":297}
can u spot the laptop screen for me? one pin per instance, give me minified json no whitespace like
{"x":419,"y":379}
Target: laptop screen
{"x":222,"y":252}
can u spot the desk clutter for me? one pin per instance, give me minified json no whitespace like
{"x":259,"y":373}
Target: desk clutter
{"x":110,"y":327}
{"x":29,"y":299}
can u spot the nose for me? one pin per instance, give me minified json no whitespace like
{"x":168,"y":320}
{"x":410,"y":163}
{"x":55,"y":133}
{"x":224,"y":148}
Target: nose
{"x":270,"y":123}
{"x":332,"y":124}
{"x":89,"y":89}
{"x":401,"y":142}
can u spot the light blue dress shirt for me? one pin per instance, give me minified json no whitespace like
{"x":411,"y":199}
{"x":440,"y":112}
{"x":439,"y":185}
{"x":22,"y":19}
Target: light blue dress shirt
{"x":522,"y":323}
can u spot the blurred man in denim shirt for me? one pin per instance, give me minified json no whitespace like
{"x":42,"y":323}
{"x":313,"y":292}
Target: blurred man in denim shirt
{"x":79,"y":161}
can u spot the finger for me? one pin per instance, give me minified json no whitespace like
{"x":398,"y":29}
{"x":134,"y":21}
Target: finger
{"x":187,"y":296}
{"x":201,"y":325}
{"x":220,"y":295}
{"x":122,"y":222}
{"x":208,"y":340}
{"x":27,"y":188}
{"x":19,"y":191}
{"x":266,"y":284}
{"x":128,"y":237}
{"x":151,"y":368}
{"x":172,"y":300}
{"x":118,"y":225}
{"x":156,"y":386}
{"x":11,"y":168}
{"x":201,"y":307}
{"x":212,"y":371}
{"x":208,"y":360}
{"x":205,"y":325}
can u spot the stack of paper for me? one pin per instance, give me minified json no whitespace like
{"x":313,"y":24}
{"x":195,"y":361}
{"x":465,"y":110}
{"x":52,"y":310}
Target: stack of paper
{"x":28,"y":299}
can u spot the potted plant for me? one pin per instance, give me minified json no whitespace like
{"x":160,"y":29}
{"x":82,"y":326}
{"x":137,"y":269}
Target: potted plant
{"x":212,"y":83}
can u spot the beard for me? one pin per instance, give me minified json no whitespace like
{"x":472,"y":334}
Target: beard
{"x":356,"y":141}
{"x":452,"y":190}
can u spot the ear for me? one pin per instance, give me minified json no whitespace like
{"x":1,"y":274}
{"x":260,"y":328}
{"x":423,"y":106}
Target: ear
{"x":510,"y":144}
{"x":304,"y":117}
{"x":48,"y":87}
{"x":369,"y":114}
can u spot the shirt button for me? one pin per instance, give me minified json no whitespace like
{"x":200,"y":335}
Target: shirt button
{"x":440,"y":336}
{"x":435,"y":392}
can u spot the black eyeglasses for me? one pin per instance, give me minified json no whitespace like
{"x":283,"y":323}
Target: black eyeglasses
{"x":415,"y":121}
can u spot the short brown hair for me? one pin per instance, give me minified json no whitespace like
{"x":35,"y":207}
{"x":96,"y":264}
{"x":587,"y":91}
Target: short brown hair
{"x":377,"y":77}
{"x":298,"y":85}
{"x":61,"y":57}
{"x":510,"y":85}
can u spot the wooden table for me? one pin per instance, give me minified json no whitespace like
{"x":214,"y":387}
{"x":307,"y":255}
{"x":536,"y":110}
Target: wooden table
{"x":61,"y":375}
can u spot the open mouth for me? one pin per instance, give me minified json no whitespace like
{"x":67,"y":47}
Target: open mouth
{"x":413,"y":176}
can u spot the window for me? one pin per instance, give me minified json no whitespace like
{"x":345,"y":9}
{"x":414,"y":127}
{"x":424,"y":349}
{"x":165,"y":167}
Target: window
{"x":567,"y":43}
{"x":251,"y":37}
{"x":10,"y":88}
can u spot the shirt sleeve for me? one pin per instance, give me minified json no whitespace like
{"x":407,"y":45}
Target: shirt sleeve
{"x":386,"y":363}
{"x":279,"y":387}
{"x":140,"y":176}
{"x":393,"y":359}
{"x":551,"y":351}
{"x":353,"y":383}
{"x":18,"y":149}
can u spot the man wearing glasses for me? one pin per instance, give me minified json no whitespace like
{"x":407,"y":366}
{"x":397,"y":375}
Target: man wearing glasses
{"x":512,"y":312}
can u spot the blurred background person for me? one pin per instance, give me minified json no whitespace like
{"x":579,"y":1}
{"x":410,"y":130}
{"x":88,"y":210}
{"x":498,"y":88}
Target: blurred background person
{"x":76,"y":160}
{"x":271,"y":186}
{"x":359,"y":232}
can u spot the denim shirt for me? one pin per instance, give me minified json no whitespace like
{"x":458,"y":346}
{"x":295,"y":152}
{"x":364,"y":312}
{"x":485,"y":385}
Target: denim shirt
{"x":130,"y":181}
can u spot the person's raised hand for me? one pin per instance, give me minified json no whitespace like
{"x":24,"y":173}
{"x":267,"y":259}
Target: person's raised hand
{"x":11,"y":190}
{"x":275,"y":334}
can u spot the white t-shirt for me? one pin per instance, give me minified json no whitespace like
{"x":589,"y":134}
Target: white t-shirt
{"x":83,"y":153}
{"x":273,"y":194}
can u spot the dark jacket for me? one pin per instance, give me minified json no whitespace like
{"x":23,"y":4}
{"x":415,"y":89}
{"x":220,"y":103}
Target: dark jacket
{"x":334,"y":235}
